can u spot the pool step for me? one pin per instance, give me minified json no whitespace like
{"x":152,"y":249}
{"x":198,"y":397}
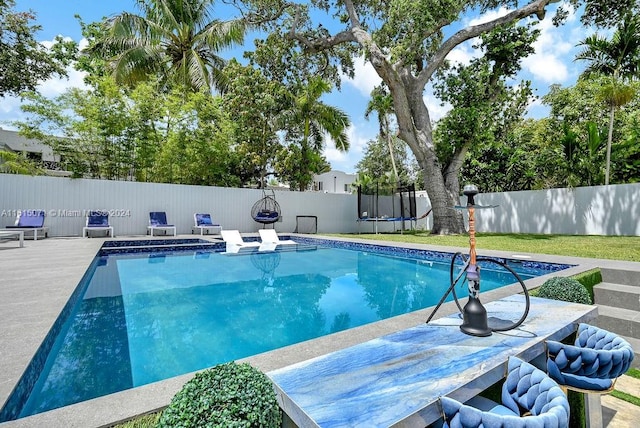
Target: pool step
{"x":617,"y":295}
{"x":621,"y":276}
{"x":618,"y":301}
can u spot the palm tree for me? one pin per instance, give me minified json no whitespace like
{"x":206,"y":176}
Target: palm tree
{"x":382,"y":103}
{"x":619,"y":60}
{"x":314,"y":119}
{"x":177,"y":39}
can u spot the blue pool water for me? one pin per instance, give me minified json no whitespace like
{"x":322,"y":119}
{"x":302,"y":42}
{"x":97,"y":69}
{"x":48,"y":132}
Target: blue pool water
{"x":149,"y":315}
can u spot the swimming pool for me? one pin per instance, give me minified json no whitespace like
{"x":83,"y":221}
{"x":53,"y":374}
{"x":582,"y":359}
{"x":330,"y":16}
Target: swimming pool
{"x":134,"y":317}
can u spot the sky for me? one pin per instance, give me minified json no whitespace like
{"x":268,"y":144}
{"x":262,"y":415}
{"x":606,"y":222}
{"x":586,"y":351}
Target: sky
{"x":552,"y":63}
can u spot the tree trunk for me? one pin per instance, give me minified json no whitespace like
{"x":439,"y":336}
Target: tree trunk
{"x":414,"y":127}
{"x":446,"y":219}
{"x":609,"y":140}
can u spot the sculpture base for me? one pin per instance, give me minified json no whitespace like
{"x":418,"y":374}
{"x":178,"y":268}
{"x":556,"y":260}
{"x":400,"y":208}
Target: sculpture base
{"x":475,"y":319}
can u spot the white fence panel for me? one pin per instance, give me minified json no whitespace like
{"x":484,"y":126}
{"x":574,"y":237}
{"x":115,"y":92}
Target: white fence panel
{"x":600,"y":210}
{"x":66,"y":202}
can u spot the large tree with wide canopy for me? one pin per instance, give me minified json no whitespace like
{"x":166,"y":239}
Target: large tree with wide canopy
{"x":407,"y":43}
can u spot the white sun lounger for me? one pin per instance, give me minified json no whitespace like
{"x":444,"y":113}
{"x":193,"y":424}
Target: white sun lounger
{"x":235,"y":242}
{"x":269,"y":236}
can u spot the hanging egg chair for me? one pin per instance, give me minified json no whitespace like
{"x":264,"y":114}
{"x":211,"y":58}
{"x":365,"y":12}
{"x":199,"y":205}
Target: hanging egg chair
{"x":267,"y":209}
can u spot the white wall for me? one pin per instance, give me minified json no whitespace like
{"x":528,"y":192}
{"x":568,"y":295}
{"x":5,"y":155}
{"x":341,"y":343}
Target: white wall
{"x":335,"y":181}
{"x":600,"y":210}
{"x":231,"y":207}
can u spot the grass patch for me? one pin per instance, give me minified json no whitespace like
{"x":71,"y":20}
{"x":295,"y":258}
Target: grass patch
{"x":626,"y":397}
{"x":633,"y":373}
{"x":597,"y":247}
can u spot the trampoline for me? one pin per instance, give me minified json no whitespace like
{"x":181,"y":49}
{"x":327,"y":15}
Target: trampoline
{"x":384,"y":204}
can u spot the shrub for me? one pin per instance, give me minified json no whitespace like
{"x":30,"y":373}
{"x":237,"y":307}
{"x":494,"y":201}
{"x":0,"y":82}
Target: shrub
{"x":225,"y":396}
{"x":566,"y":289}
{"x":589,"y":279}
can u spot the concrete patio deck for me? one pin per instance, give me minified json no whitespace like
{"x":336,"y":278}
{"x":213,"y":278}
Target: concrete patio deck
{"x":37,"y":280}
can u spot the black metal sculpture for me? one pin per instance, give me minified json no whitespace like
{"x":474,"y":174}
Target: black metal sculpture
{"x":474,"y":315}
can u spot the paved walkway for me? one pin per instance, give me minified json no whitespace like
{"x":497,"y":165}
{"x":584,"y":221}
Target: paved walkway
{"x":618,"y":413}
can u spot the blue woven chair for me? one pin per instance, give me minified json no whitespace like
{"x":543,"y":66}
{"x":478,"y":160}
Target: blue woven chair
{"x":526,"y":388}
{"x":597,"y":358}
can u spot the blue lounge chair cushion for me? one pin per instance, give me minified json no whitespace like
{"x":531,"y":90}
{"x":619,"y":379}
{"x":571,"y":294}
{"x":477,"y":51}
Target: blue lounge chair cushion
{"x":267,"y":214}
{"x":158,"y":219}
{"x":30,"y":219}
{"x":204,"y":220}
{"x":97,"y":219}
{"x":487,"y":405}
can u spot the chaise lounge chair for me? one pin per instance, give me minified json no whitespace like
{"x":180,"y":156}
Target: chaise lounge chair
{"x":158,"y":221}
{"x":204,"y":223}
{"x":235,"y":242}
{"x":97,"y":220}
{"x":269,"y":236}
{"x":31,"y":221}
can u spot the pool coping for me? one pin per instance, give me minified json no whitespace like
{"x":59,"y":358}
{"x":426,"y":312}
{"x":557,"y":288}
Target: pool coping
{"x":57,"y":265}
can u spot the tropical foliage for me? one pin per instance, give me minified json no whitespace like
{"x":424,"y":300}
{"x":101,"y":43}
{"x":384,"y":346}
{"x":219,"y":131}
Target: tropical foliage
{"x":619,"y":60}
{"x":23,"y":61}
{"x":161,"y":104}
{"x":141,"y":135}
{"x":306,"y":121}
{"x":176,"y":39}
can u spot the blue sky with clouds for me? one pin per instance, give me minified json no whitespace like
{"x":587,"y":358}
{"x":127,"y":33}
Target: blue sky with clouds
{"x":551,"y":63}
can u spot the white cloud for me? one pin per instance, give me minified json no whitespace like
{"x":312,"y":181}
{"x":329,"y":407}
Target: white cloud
{"x":546,"y":67}
{"x":365,"y":77}
{"x":10,"y":112}
{"x":463,"y":54}
{"x":55,"y":86}
{"x":359,"y":136}
{"x":489,"y":16}
{"x":554,"y":50}
{"x":436,"y":110}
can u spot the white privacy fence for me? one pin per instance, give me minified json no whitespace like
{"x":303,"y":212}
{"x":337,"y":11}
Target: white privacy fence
{"x":66,"y":202}
{"x":602,"y":210}
{"x":598,"y":210}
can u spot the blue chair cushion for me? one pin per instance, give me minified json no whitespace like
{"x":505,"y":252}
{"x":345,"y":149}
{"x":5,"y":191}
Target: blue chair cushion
{"x":596,"y":359}
{"x":30,"y":219}
{"x":97,"y":219}
{"x":267,"y":214}
{"x":158,"y":218}
{"x":487,"y":405}
{"x":526,"y":387}
{"x":204,"y":219}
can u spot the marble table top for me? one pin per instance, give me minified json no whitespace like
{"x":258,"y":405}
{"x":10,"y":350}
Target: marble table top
{"x":396,"y":380}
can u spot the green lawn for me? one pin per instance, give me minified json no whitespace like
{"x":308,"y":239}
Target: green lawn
{"x":598,"y":247}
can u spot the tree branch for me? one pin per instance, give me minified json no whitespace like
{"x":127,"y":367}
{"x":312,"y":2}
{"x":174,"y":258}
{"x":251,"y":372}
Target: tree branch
{"x":536,"y":7}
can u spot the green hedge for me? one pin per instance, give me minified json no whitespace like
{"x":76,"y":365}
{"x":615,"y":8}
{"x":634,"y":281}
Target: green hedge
{"x":589,"y":279}
{"x":565,"y":289}
{"x":227,"y":396}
